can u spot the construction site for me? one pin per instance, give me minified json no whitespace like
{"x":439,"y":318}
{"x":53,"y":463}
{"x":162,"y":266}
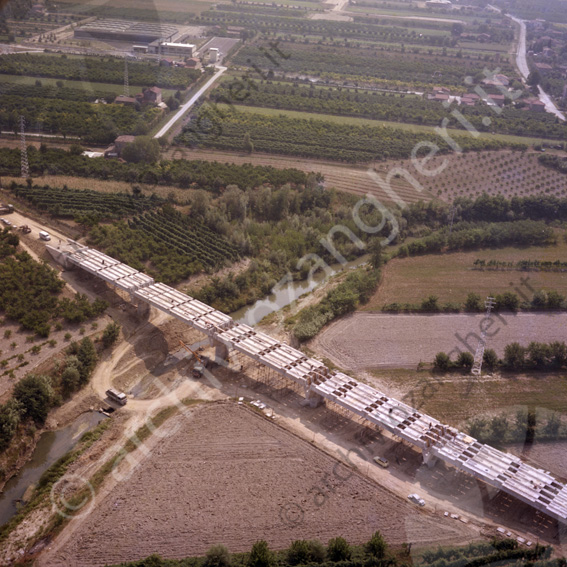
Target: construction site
{"x":436,"y":441}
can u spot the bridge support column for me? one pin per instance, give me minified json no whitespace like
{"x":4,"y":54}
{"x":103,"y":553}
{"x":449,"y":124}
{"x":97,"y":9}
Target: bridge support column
{"x":221,"y":351}
{"x":312,"y":399}
{"x":143,"y":310}
{"x":429,"y":459}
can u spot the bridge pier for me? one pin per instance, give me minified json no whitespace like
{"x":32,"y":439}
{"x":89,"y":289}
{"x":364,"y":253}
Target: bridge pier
{"x":312,"y":399}
{"x":221,"y":351}
{"x":429,"y":459}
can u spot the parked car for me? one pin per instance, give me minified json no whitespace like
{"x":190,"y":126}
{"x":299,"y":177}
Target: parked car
{"x":384,"y":463}
{"x":416,"y":499}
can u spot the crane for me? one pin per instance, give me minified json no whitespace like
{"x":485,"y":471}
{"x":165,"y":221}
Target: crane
{"x":198,"y":368}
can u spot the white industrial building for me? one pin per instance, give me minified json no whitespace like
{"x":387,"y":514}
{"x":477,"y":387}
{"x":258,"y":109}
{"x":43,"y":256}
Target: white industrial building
{"x":171,"y":48}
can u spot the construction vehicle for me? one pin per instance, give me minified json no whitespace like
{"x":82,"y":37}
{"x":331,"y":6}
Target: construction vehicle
{"x":25,"y":229}
{"x":6,"y":209}
{"x":202,"y":361}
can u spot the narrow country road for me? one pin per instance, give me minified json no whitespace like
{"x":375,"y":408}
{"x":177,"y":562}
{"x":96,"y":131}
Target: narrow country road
{"x":522,"y":64}
{"x":184,"y":108}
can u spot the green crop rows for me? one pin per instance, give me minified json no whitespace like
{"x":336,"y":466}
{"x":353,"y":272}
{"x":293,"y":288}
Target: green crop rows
{"x":71,"y":203}
{"x":195,"y":241}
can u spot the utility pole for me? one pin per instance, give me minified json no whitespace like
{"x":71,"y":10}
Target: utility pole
{"x":24,"y":149}
{"x":126,"y":85}
{"x":477,"y":364}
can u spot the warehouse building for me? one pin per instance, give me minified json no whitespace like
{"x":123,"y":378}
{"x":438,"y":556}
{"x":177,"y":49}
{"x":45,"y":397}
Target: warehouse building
{"x":122,"y":30}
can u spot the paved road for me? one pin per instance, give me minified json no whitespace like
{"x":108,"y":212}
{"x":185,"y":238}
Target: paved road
{"x":183,"y":109}
{"x":522,"y":64}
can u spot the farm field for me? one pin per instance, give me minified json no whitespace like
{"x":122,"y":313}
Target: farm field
{"x":451,"y":277}
{"x":503,"y":172}
{"x":371,"y":340}
{"x":85,"y":183}
{"x":414,"y":128}
{"x":159,"y":9}
{"x":220,"y":464}
{"x":351,"y":179}
{"x":93,"y":88}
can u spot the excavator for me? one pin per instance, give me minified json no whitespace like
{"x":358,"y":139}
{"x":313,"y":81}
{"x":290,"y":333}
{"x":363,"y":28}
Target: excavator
{"x":202,"y":362}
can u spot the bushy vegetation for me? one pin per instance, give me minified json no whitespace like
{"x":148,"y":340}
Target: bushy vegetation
{"x":469,"y":236}
{"x":375,"y":552}
{"x":487,"y":208}
{"x":29,"y":294}
{"x":97,"y":70}
{"x":312,"y":138}
{"x":35,"y":395}
{"x":73,"y":203}
{"x":526,"y":426}
{"x":212,"y":176}
{"x":345,"y":297}
{"x":508,"y":301}
{"x":555,"y":162}
{"x":536,"y":356}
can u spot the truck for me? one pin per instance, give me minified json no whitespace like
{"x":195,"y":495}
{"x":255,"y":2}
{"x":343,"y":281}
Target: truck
{"x":202,"y":361}
{"x":116,"y":396}
{"x":6,"y":209}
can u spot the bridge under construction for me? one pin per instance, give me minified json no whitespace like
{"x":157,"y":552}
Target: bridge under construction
{"x":501,"y":470}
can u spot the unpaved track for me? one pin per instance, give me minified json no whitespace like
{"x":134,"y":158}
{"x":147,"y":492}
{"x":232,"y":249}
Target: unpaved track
{"x":372,"y":340}
{"x":225,"y":477}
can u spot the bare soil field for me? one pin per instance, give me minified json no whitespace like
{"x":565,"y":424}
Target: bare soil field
{"x":451,"y":277}
{"x":371,"y":340}
{"x":229,"y":475}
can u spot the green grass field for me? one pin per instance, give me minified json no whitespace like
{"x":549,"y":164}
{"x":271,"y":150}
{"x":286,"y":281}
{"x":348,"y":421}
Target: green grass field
{"x":82,"y":85}
{"x":457,"y":398}
{"x":451,"y":277}
{"x":397,"y":125}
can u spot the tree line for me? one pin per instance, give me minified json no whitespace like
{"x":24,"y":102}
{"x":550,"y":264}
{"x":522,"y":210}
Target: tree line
{"x":315,"y":138}
{"x":210,"y":175}
{"x":521,"y":265}
{"x":527,"y":426}
{"x":94,"y":123}
{"x":473,"y":235}
{"x":383,"y":106}
{"x":375,"y":552}
{"x":536,"y":356}
{"x":486,"y":208}
{"x":508,"y":301}
{"x":97,"y":70}
{"x":366,"y":64}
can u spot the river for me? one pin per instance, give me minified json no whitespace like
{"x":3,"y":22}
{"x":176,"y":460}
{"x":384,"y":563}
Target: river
{"x":52,"y":445}
{"x":287,"y":293}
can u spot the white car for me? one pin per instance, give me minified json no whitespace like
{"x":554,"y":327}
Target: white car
{"x":416,"y":499}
